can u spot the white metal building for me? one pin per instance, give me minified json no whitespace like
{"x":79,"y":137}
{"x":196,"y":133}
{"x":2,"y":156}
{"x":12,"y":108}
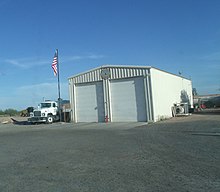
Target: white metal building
{"x":126,"y":93}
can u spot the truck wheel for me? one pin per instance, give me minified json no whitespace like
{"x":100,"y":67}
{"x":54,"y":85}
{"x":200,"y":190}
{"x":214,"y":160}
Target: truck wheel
{"x":49,"y":119}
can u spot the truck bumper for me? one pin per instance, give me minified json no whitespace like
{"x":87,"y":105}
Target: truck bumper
{"x":37,"y":119}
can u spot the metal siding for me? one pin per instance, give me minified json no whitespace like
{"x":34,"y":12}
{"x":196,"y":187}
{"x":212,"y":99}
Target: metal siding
{"x":112,"y":72}
{"x":107,"y":100}
{"x":123,"y":73}
{"x":166,"y":91}
{"x":71,"y":98}
{"x":88,"y":77}
{"x":93,"y":76}
{"x":115,"y":73}
{"x":128,"y":100}
{"x":129,"y":72}
{"x":74,"y":103}
{"x":90,"y":102}
{"x":119,"y":73}
{"x":134,"y":72}
{"x":162,"y":88}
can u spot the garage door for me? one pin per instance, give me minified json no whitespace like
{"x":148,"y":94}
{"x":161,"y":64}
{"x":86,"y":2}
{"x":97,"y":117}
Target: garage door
{"x":90,"y":102}
{"x":128,"y":100}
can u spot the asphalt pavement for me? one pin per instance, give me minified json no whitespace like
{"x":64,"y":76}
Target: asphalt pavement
{"x":181,"y":154}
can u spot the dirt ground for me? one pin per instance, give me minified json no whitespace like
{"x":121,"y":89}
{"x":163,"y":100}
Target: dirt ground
{"x":181,"y":154}
{"x":8,"y":119}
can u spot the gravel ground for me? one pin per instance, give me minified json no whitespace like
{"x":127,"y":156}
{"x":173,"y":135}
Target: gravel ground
{"x":180,"y":154}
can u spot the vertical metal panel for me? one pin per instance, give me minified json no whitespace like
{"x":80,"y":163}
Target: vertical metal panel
{"x":116,"y":73}
{"x":71,"y":97}
{"x":111,"y":72}
{"x":134,"y":72}
{"x":126,"y":72}
{"x":97,"y":78}
{"x":140,"y":72}
{"x":93,"y":76}
{"x":147,"y":89}
{"x":74,"y":103}
{"x":119,"y":73}
{"x":105,"y":94}
{"x":89,"y":77}
{"x":145,"y":72}
{"x":122,"y":73}
{"x":107,"y":100}
{"x":130,"y":72}
{"x":146,"y":99}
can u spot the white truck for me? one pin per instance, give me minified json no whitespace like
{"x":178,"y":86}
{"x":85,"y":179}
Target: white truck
{"x":47,"y":112}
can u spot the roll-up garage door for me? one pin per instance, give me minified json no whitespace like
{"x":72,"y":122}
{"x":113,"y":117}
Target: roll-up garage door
{"x":90,"y":102}
{"x":128,"y":100}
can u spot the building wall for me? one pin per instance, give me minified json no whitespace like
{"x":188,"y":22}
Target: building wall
{"x":160,"y":90}
{"x":116,"y":73}
{"x":168,"y":89}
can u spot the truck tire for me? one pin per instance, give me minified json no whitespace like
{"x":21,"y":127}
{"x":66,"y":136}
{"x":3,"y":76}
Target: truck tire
{"x":50,"y":119}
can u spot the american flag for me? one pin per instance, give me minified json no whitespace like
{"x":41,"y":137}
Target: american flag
{"x":54,"y":64}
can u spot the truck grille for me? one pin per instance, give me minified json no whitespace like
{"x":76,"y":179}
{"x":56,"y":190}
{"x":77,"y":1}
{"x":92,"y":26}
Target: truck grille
{"x":37,"y":113}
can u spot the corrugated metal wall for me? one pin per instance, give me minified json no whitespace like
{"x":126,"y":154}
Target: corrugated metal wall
{"x":115,"y":73}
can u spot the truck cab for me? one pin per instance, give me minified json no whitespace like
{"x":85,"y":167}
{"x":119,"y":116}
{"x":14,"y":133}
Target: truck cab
{"x":45,"y":112}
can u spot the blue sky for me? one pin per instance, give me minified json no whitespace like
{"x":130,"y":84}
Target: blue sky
{"x":173,"y":35}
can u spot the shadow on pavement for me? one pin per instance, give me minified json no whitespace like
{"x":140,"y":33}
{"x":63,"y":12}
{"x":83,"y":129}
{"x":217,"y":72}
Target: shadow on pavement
{"x":20,"y":122}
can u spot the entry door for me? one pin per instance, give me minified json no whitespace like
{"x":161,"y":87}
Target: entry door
{"x":90,"y":102}
{"x":128,"y":100}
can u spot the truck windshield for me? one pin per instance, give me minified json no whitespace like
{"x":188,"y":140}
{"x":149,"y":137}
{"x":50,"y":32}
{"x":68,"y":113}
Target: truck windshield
{"x":45,"y":105}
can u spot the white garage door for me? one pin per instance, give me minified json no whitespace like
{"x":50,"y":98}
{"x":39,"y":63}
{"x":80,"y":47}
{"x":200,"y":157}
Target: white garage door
{"x":128,"y":100}
{"x":90,"y":102}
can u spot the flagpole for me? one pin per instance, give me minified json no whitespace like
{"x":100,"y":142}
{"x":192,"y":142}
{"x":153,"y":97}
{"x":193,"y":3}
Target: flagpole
{"x":58,"y":79}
